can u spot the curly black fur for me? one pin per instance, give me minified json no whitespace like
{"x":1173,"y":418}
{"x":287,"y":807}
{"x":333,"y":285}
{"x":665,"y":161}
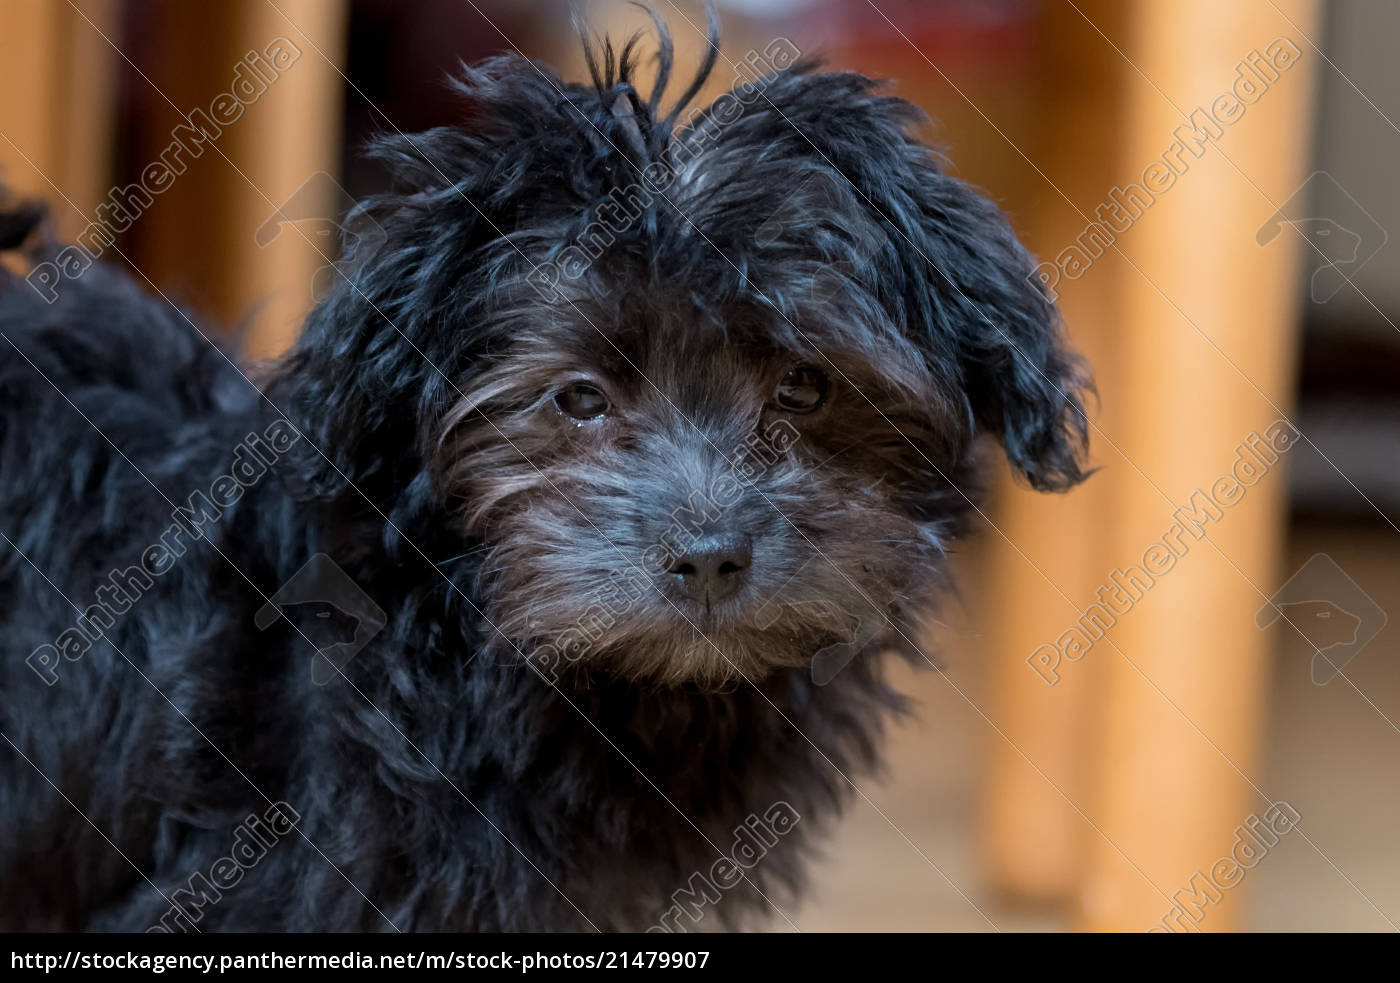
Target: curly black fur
{"x":445,"y":778}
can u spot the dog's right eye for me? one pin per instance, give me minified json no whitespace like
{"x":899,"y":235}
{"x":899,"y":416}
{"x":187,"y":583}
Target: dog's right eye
{"x":802,"y":390}
{"x":582,"y":401}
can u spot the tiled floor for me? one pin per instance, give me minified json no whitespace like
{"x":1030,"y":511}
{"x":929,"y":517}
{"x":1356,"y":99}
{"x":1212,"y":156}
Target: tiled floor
{"x":903,"y":860}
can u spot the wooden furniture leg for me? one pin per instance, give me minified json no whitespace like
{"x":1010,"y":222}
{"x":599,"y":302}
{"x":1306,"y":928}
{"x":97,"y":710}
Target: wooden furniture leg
{"x":200,"y":239}
{"x":1053,"y":547}
{"x":56,"y":111}
{"x":1205,"y":348}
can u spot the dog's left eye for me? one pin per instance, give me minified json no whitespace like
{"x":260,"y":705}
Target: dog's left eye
{"x":801,"y":390}
{"x":582,"y":401}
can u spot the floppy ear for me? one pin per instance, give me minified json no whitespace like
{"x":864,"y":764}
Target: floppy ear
{"x":1021,"y":379}
{"x":951,"y":269}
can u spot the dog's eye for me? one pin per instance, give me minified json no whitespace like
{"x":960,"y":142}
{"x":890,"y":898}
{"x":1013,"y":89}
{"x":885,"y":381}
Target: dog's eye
{"x":582,"y":401}
{"x":801,"y":390}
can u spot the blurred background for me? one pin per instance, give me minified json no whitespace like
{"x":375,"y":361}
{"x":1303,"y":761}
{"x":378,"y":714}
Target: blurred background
{"x":1133,"y":727}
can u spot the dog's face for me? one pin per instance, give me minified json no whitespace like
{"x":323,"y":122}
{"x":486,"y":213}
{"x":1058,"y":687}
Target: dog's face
{"x":683,"y":491}
{"x":703,"y":399}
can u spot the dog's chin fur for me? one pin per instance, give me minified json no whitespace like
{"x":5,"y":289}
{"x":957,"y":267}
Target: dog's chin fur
{"x":547,"y":732}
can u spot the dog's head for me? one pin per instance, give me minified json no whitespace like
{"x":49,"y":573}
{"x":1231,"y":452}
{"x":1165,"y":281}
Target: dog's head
{"x":702,"y":396}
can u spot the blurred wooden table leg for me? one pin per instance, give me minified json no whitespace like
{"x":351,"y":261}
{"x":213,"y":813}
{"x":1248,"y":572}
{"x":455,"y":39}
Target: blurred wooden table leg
{"x":57,"y":78}
{"x":296,"y":146}
{"x":1033,"y":834}
{"x":200,"y":239}
{"x":1176,"y":750}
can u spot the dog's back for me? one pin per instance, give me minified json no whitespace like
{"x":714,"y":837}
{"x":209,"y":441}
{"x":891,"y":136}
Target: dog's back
{"x":111,"y":403}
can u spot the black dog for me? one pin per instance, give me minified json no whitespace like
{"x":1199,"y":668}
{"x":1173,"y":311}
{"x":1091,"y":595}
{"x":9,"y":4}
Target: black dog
{"x":617,"y":461}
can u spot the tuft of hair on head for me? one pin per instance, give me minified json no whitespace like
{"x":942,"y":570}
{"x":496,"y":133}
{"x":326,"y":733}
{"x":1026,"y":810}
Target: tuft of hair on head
{"x":614,"y":73}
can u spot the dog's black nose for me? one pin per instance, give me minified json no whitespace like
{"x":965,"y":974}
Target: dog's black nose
{"x":713,"y":567}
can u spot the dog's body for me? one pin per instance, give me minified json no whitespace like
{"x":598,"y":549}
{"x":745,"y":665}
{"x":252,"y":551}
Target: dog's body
{"x":446,"y":457}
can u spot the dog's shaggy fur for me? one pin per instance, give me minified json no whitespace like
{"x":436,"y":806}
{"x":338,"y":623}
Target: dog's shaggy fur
{"x":445,"y":778}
